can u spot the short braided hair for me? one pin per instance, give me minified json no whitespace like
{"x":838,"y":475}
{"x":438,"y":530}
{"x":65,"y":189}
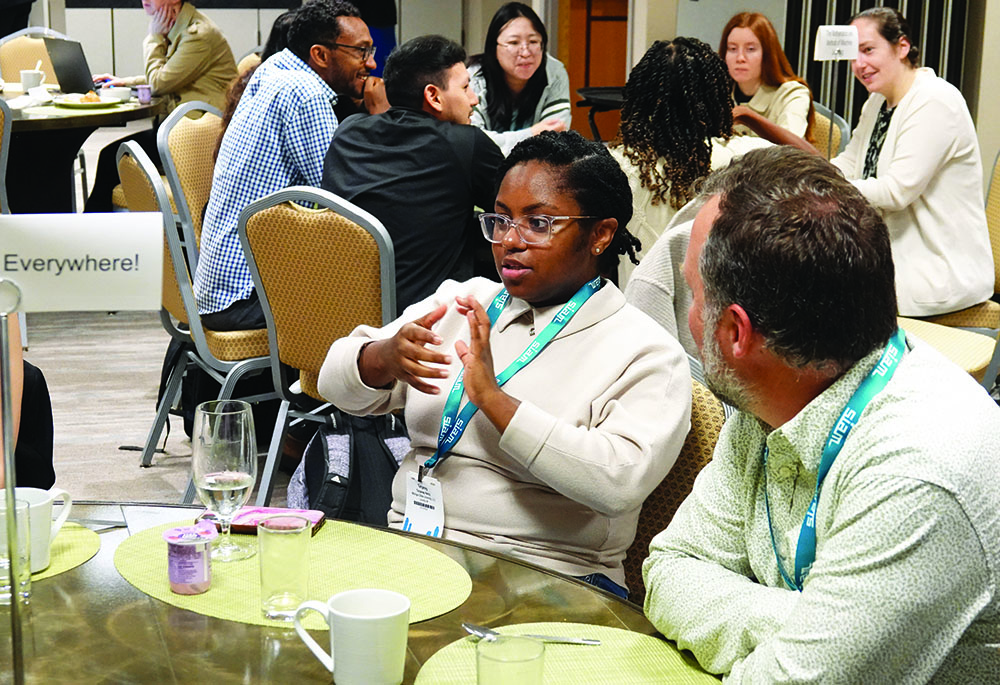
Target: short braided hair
{"x":677,"y":97}
{"x":594,"y":178}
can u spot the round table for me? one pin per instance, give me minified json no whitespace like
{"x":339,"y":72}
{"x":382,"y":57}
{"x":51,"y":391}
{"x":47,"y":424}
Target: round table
{"x":44,"y":145}
{"x":88,"y":624}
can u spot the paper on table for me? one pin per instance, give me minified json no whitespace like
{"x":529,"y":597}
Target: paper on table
{"x":38,"y":95}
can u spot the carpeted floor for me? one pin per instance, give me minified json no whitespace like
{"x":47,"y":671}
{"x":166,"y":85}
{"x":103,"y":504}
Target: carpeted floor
{"x":103,"y":371}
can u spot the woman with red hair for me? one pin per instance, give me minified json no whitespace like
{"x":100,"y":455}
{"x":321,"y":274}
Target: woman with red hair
{"x":766,"y":87}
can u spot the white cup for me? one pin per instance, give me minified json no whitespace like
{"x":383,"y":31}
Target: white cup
{"x":368,"y":631}
{"x":30,"y":78}
{"x":43,"y":528}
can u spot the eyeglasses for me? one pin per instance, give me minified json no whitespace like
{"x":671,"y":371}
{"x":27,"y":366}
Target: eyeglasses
{"x":367,"y":51}
{"x":534,"y":229}
{"x":534,"y":45}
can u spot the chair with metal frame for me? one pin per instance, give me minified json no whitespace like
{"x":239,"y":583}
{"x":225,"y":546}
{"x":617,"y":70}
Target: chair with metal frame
{"x":22,"y":50}
{"x":319,"y":273}
{"x":822,"y":128}
{"x":186,"y":146}
{"x":707,"y":417}
{"x":4,"y":150}
{"x":225,"y":356}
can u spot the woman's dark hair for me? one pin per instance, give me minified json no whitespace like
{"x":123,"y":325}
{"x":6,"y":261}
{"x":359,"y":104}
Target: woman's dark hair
{"x":677,"y":97}
{"x":594,"y":178}
{"x":500,"y":102}
{"x":892,"y":26}
{"x":277,"y":40}
{"x":774,"y":66}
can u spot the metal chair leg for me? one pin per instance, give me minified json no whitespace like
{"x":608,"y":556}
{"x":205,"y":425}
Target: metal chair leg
{"x":273,"y":457}
{"x":170,"y":395}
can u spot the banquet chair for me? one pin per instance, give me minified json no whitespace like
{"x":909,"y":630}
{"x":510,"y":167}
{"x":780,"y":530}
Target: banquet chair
{"x":707,"y":417}
{"x":4,"y":150}
{"x":22,"y":50}
{"x":319,"y":271}
{"x":821,"y":131}
{"x":186,"y":146}
{"x":225,"y":356}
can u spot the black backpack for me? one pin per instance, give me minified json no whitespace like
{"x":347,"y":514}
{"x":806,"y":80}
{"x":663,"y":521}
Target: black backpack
{"x":348,"y":466}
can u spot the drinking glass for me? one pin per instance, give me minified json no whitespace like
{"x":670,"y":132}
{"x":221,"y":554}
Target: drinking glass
{"x":20,"y":557}
{"x":509,"y":659}
{"x":224,"y":467}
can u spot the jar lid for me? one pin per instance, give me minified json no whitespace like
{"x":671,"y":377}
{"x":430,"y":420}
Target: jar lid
{"x":191,"y":535}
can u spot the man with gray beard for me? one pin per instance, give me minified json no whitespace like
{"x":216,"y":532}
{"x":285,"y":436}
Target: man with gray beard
{"x":848,"y":527}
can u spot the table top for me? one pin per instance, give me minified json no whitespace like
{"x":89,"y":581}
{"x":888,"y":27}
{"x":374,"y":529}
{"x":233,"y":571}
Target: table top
{"x":601,"y":97}
{"x":107,"y":630}
{"x":47,"y":118}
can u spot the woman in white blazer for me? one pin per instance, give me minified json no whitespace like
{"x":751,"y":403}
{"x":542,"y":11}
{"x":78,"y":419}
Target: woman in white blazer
{"x":915,"y":156}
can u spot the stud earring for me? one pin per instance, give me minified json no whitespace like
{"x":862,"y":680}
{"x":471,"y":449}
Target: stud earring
{"x":597,"y":251}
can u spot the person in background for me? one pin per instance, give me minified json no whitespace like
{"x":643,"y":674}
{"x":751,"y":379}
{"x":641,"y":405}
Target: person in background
{"x":677,"y":125}
{"x":277,"y":40}
{"x":522,"y":90}
{"x":915,"y":156}
{"x":187,"y":58}
{"x":846,"y":528}
{"x":420,"y":168}
{"x":555,"y":464}
{"x":278,"y":137}
{"x":14,"y":15}
{"x":765,"y":87}
{"x":380,"y":15}
{"x":32,"y":414}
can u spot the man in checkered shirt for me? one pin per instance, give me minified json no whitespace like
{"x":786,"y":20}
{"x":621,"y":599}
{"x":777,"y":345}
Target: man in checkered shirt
{"x":278,"y":137}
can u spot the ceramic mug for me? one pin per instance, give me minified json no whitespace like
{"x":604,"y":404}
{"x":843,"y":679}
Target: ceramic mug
{"x":43,"y":528}
{"x":31,"y":78}
{"x":368,"y":631}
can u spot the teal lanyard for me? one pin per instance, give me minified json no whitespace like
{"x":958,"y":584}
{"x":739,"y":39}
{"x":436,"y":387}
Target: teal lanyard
{"x":874,"y":382}
{"x":453,"y":421}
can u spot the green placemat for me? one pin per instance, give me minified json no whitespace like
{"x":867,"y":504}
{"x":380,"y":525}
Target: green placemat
{"x":342,"y":557}
{"x":623,"y":658}
{"x":73,"y":545}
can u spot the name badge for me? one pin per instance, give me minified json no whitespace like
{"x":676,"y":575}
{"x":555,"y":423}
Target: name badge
{"x":424,"y":511}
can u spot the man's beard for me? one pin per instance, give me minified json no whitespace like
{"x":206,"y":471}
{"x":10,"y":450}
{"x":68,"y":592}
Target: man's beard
{"x":720,"y":378}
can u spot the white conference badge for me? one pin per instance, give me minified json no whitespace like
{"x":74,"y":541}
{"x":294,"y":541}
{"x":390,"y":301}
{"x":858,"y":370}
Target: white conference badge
{"x":835,"y":43}
{"x":424,"y":511}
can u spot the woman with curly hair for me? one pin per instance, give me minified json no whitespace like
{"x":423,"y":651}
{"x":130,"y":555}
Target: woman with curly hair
{"x":677,"y":125}
{"x":766,"y":87}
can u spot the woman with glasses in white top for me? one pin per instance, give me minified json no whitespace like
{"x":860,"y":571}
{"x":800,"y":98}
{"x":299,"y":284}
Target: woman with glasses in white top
{"x":522,"y":90}
{"x":554,"y":465}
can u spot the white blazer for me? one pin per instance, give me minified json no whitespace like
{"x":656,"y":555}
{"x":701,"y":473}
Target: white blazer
{"x":929,"y":188}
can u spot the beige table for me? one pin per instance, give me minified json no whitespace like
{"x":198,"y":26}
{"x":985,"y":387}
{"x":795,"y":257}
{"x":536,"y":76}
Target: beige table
{"x":90,"y":625}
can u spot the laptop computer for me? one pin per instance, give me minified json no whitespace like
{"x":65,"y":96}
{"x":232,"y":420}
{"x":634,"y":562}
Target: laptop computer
{"x":70,"y":65}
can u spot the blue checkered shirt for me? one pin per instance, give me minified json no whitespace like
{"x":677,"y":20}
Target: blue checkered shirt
{"x":278,"y":137}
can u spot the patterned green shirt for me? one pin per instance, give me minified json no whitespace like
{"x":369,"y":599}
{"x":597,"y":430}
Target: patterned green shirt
{"x":904,"y":586}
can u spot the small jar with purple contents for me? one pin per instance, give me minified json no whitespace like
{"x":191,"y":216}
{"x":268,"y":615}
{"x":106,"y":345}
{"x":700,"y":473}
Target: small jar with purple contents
{"x":189,"y":558}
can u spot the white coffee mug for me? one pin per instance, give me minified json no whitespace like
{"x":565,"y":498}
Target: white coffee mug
{"x":30,"y":78}
{"x":368,"y":631}
{"x":43,"y":528}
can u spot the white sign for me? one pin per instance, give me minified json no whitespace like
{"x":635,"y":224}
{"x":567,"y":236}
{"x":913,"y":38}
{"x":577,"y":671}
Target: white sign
{"x":84,"y":262}
{"x":836,"y":42}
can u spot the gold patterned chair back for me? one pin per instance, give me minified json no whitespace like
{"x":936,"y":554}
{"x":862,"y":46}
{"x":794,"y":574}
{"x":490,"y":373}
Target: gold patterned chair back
{"x":249,"y":61}
{"x":23,"y":52}
{"x":321,"y":278}
{"x":140,"y":197}
{"x":191,"y":143}
{"x":707,"y":417}
{"x":821,"y":132}
{"x":993,"y":221}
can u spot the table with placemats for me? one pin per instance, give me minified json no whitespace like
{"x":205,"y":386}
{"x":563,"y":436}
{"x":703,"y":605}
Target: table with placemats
{"x":90,"y":624}
{"x":45,"y":141}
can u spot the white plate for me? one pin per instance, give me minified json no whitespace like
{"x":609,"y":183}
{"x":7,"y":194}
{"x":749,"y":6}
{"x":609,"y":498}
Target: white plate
{"x":73,"y":102}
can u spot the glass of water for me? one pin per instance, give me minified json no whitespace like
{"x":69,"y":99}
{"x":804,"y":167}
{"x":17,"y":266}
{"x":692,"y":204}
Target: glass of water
{"x":21,"y":556}
{"x":224,"y":467}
